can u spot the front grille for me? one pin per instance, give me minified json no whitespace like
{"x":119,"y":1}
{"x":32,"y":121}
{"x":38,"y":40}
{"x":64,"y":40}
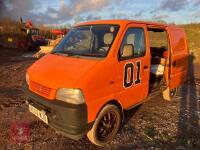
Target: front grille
{"x":40,"y":89}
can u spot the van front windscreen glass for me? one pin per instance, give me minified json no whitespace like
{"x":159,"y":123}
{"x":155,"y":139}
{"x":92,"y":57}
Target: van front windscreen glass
{"x":92,"y":41}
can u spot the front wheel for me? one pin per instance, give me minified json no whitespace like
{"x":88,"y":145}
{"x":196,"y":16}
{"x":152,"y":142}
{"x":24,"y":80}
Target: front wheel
{"x":106,"y":125}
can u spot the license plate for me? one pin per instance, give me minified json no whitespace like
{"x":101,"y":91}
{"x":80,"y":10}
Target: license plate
{"x":40,"y":114}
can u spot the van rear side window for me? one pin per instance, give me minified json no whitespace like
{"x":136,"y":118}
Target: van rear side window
{"x":158,"y":38}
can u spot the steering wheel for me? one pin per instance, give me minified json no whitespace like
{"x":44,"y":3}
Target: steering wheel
{"x":103,"y":49}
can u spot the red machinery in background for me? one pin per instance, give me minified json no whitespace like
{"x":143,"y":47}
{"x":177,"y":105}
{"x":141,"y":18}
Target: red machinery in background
{"x":33,"y":39}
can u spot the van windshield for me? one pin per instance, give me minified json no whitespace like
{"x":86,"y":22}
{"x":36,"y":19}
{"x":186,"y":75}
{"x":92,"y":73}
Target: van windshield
{"x":91,"y":41}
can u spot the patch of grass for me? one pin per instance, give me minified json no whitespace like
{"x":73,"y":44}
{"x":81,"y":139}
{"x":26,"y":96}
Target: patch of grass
{"x":193,"y":36}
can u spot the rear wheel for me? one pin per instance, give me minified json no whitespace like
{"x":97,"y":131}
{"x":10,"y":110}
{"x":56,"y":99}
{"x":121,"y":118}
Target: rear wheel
{"x":169,"y":94}
{"x":173,"y":93}
{"x":105,"y":126}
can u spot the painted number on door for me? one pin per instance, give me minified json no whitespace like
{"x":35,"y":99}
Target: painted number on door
{"x":129,"y":74}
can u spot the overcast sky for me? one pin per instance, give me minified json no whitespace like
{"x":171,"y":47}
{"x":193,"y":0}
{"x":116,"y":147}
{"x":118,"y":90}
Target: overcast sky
{"x":62,"y":12}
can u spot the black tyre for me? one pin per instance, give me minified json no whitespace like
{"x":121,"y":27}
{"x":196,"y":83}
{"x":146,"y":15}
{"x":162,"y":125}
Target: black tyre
{"x":106,"y":125}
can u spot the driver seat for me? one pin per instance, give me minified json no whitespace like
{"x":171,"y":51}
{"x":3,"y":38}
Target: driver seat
{"x":107,"y":39}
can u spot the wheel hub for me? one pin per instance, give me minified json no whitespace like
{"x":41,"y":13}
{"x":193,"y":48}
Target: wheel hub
{"x":106,"y":125}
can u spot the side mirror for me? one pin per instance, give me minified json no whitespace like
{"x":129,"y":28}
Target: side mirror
{"x":127,"y":51}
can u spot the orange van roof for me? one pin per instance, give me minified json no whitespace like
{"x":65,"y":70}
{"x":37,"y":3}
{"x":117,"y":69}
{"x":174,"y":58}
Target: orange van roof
{"x":122,"y":22}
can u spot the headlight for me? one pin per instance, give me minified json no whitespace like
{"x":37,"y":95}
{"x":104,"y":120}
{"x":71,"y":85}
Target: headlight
{"x":73,"y":96}
{"x":27,"y":78}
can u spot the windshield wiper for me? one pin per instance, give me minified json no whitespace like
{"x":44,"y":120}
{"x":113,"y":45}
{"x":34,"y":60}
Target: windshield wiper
{"x":65,"y":54}
{"x":68,"y":54}
{"x":92,"y":55}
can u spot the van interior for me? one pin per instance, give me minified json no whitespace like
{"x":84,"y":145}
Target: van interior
{"x":159,"y":54}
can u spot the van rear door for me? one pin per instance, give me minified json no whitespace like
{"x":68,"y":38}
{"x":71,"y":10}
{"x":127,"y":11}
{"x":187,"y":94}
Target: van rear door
{"x":178,"y":56}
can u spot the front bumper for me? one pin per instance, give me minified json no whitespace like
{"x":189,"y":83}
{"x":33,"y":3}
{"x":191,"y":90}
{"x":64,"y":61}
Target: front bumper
{"x":67,"y":119}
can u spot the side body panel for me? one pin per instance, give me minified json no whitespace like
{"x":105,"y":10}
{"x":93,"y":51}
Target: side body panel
{"x":98,"y":87}
{"x":179,"y":56}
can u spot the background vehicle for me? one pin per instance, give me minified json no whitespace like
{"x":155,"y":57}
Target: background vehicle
{"x":57,"y":36}
{"x":34,"y":39}
{"x":102,"y":68}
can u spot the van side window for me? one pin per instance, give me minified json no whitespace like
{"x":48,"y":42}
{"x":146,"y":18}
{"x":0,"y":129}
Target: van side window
{"x":134,"y":38}
{"x":158,"y":41}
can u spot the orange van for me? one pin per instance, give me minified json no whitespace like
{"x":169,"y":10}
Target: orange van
{"x":102,"y":68}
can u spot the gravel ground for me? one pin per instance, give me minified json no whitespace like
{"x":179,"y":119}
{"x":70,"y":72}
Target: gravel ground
{"x":157,"y":124}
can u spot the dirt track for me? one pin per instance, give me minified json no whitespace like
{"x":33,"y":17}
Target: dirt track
{"x":155,"y":124}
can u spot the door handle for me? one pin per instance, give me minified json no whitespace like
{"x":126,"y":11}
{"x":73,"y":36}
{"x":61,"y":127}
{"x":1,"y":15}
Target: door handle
{"x":145,"y":67}
{"x":174,"y":64}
